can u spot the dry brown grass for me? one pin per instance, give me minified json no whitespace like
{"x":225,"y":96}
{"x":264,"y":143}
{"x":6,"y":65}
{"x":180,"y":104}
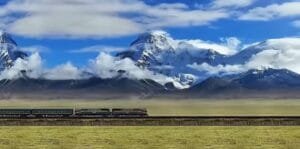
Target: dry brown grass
{"x":176,"y":107}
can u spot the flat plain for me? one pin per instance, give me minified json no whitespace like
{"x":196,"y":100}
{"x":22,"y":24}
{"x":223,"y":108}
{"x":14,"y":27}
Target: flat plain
{"x":167,"y":107}
{"x":81,"y":137}
{"x":150,"y":137}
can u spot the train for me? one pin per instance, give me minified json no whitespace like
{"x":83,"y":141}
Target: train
{"x":72,"y":112}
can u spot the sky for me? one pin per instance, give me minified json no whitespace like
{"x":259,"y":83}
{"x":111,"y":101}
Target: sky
{"x":76,"y":31}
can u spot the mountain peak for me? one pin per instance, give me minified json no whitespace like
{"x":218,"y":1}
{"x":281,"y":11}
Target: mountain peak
{"x":6,"y":38}
{"x":8,"y":51}
{"x":158,"y":33}
{"x":270,"y":72}
{"x":152,"y":37}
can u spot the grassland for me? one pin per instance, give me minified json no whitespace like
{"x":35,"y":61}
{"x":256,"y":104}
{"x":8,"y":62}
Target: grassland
{"x":149,"y":137}
{"x":176,"y":107}
{"x":238,"y":137}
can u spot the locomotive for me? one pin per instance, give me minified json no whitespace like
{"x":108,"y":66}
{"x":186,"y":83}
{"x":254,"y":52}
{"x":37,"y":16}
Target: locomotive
{"x":73,"y":113}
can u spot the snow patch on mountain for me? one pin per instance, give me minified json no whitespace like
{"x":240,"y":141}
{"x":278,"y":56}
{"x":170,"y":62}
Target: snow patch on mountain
{"x":8,"y":51}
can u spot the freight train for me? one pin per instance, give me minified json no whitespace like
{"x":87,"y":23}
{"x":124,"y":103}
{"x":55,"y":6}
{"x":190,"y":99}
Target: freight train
{"x":72,"y":113}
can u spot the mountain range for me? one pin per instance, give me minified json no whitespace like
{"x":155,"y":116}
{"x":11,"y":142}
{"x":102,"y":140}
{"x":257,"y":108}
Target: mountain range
{"x":196,"y":69}
{"x":268,"y":83}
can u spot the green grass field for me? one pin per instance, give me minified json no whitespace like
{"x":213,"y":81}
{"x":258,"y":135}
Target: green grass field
{"x":175,"y":107}
{"x":150,"y":137}
{"x":132,"y":137}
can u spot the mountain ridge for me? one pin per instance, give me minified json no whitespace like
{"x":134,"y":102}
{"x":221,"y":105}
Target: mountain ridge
{"x":159,"y":53}
{"x":268,"y":83}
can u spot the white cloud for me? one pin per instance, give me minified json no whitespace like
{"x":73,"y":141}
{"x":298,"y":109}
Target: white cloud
{"x":296,"y":23}
{"x":34,"y":49}
{"x":99,"y":48}
{"x":181,"y":18}
{"x":217,"y":70}
{"x":228,"y":46}
{"x":232,"y":43}
{"x":279,"y":53}
{"x":64,"y":72}
{"x":104,"y":66}
{"x":107,"y":66}
{"x":31,"y":65}
{"x":231,"y":3}
{"x":288,"y":43}
{"x":75,"y":26}
{"x":98,"y":18}
{"x":283,"y":53}
{"x":274,"y":11}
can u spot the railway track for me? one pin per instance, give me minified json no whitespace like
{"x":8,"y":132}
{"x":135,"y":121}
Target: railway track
{"x":156,"y":121}
{"x":162,"y":117}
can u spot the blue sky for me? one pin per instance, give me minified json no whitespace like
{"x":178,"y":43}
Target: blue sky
{"x":56,"y":28}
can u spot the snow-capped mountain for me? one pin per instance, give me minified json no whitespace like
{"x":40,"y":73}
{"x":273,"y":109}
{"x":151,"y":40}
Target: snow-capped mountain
{"x":160,"y":53}
{"x":152,"y":49}
{"x":278,"y":83}
{"x":268,"y":78}
{"x":196,"y":68}
{"x":188,"y":63}
{"x":8,"y":51}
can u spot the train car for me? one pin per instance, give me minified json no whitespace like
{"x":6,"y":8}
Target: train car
{"x":102,"y":112}
{"x":85,"y":112}
{"x":52,"y":112}
{"x":15,"y":112}
{"x":117,"y":112}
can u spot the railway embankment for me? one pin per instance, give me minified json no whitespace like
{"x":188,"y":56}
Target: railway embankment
{"x":158,"y":121}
